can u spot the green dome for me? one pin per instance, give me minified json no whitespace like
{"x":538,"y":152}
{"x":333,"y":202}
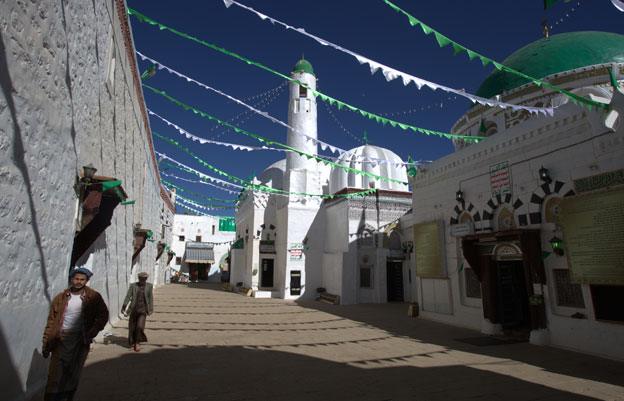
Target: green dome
{"x":303,"y":65}
{"x":559,"y":53}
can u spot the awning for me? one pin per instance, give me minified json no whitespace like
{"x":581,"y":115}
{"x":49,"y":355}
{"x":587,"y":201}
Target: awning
{"x":198,"y":252}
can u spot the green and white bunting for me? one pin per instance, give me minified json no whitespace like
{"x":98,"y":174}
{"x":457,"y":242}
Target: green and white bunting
{"x":267,"y":141}
{"x":444,"y":41}
{"x":325,"y":98}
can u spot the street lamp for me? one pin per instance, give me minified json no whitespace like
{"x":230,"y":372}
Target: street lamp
{"x":544,"y":175}
{"x":459,"y":196}
{"x":556,"y":244}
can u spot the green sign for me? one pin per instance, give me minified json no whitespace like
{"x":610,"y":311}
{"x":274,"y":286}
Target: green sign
{"x":227,"y":224}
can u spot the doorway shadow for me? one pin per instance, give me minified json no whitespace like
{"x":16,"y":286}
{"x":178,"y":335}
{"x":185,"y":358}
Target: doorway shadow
{"x":393,"y":319}
{"x":241,"y":373}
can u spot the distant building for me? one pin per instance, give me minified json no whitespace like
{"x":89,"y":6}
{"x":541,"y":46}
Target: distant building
{"x":201,"y":245}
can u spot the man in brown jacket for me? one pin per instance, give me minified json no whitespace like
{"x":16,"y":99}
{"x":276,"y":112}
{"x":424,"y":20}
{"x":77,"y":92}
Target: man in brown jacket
{"x":76,"y":316}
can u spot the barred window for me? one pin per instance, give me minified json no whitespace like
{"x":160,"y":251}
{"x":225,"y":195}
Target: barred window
{"x":473,"y":286}
{"x":568,"y":293}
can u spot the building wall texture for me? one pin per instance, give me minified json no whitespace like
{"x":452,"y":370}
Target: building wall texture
{"x":69,"y":96}
{"x":573,"y":144}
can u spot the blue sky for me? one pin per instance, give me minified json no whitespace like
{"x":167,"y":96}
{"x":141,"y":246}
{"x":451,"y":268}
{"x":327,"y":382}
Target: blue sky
{"x":368,"y":27}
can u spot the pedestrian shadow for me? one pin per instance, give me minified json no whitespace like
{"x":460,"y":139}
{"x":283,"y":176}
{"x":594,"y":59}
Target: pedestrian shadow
{"x":240,"y":373}
{"x":116,"y":340}
{"x":393,"y":319}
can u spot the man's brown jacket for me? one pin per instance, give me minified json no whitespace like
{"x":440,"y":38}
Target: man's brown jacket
{"x":94,"y":317}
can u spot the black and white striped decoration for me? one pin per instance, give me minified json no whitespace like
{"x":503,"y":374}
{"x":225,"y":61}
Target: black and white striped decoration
{"x":461,"y":208}
{"x":493,"y":204}
{"x":538,"y":197}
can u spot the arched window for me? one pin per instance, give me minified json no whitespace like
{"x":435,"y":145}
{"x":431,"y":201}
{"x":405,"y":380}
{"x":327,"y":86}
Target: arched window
{"x":505,"y":219}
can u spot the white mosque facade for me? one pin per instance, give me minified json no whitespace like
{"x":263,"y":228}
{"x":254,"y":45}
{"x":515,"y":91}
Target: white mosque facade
{"x":519,"y":235}
{"x":299,"y":246}
{"x":530,"y":220}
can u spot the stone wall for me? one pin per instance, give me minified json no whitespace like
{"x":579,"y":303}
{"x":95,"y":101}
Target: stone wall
{"x":69,"y":96}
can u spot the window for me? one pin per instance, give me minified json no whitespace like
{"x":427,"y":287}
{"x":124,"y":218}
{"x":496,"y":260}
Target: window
{"x":303,"y":91}
{"x":296,"y":106}
{"x":181,"y":237}
{"x":473,"y":286}
{"x":568,"y":294}
{"x":213,"y":229}
{"x":198,"y":238}
{"x":365,"y":277}
{"x":608,"y":301}
{"x":178,"y":260}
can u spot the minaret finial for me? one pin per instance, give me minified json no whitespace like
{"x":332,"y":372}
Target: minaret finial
{"x":545,"y":28}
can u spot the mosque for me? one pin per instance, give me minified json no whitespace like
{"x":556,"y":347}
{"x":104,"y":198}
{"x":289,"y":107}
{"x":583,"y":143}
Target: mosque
{"x":519,"y":235}
{"x":300,"y":246}
{"x":531,"y":219}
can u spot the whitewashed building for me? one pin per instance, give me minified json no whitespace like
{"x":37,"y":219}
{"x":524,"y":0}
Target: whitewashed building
{"x":521,"y":234}
{"x":201,"y":245}
{"x":79,"y":183}
{"x":294,"y":246}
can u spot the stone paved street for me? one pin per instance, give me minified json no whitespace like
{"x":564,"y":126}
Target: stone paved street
{"x":207,"y":344}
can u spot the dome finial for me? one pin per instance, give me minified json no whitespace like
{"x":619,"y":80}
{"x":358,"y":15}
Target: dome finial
{"x":365,"y":137}
{"x":545,"y":28}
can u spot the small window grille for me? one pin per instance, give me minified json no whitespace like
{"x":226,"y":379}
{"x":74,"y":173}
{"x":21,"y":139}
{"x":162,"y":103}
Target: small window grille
{"x":568,"y":293}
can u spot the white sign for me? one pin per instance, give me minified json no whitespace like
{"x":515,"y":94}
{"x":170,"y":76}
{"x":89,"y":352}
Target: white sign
{"x":462,"y":229}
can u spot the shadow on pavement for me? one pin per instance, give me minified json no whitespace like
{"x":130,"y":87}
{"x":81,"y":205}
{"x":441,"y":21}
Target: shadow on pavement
{"x":393,"y":319}
{"x":241,"y":373}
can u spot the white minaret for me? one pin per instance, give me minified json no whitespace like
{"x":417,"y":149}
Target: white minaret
{"x":302,"y":117}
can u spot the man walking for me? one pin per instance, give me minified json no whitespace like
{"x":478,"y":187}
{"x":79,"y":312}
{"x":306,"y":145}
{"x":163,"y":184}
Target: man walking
{"x":76,"y":316}
{"x":141,"y":300}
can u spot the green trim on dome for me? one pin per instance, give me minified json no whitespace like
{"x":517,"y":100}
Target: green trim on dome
{"x":559,"y":53}
{"x":303,"y":65}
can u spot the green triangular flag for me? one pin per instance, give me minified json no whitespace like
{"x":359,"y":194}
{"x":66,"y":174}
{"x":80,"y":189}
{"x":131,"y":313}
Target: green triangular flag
{"x":457,"y":48}
{"x":471,"y":54}
{"x":426,"y":29}
{"x":442,"y":40}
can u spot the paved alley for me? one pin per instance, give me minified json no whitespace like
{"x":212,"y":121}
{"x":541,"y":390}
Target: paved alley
{"x":207,"y":344}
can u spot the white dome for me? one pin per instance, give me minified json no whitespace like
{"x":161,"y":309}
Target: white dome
{"x":386,"y":164}
{"x":273,"y":175}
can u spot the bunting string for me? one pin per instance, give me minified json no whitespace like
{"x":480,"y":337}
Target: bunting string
{"x":567,"y":14}
{"x":203,"y":141}
{"x":170,"y":185}
{"x":264,"y":114}
{"x":391,"y":73}
{"x":198,"y":182}
{"x":262,"y":139}
{"x":339,"y":124}
{"x":325,"y":98}
{"x":245,"y":115}
{"x":198,"y":205}
{"x":197,"y":212}
{"x":248,"y":184}
{"x":444,"y":41}
{"x":235,"y":146}
{"x":202,"y":162}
